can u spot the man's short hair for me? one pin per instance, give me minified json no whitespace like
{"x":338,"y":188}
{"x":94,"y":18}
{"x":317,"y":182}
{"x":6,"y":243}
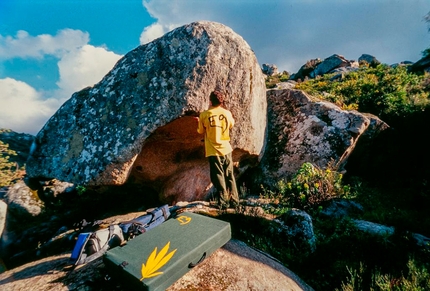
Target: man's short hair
{"x":217,"y":98}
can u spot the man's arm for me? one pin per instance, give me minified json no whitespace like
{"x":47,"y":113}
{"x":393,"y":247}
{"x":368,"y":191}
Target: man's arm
{"x":231,"y":121}
{"x":200,"y":126}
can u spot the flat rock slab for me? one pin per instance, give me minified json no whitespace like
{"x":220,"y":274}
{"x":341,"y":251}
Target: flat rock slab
{"x":232,"y":267}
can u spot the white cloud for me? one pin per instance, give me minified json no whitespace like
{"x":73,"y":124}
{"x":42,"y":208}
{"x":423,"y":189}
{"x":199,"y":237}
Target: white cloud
{"x":24,"y":45}
{"x":22,"y":108}
{"x":288,"y":33}
{"x":84,"y":67}
{"x":171,"y":14}
{"x":152,"y":32}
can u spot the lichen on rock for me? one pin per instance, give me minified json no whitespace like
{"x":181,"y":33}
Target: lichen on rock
{"x":98,"y":134}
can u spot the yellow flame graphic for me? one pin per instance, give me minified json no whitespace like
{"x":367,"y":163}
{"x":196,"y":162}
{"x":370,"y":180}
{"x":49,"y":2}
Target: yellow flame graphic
{"x":156,"y":261}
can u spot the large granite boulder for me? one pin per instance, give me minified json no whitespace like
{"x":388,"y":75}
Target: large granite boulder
{"x":302,"y":129}
{"x":137,"y":124}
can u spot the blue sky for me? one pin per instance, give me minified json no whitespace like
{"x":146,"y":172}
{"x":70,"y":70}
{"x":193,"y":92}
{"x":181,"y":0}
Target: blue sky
{"x":50,"y":49}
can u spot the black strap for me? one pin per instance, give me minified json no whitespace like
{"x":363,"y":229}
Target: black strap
{"x":153,"y":218}
{"x":192,"y":265}
{"x":135,"y":221}
{"x":137,"y":227}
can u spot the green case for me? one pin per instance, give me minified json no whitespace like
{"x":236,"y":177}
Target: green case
{"x":156,"y":259}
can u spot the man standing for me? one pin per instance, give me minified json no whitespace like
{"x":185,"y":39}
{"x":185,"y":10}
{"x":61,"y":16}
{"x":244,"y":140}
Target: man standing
{"x":216,"y":123}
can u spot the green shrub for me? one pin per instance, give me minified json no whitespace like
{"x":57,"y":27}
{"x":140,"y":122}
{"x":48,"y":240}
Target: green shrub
{"x":271,"y":81}
{"x":309,"y":187}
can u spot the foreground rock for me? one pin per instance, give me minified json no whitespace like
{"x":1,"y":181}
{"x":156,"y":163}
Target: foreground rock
{"x":305,"y":130}
{"x":22,"y":202}
{"x":136,"y":124}
{"x":233,"y":267}
{"x":239,"y":267}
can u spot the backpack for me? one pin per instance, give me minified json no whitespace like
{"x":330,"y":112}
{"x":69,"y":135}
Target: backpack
{"x":92,"y":245}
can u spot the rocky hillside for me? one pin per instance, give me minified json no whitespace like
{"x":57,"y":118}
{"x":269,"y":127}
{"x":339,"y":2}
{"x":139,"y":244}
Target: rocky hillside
{"x":129,"y":143}
{"x":18,"y":142}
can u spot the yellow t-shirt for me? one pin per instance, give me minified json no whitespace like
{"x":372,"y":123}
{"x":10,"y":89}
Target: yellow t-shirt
{"x":216,"y":123}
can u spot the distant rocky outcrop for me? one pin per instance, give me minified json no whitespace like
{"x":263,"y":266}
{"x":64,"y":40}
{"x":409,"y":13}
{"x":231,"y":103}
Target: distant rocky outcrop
{"x":18,"y":142}
{"x":270,"y":69}
{"x":331,"y":63}
{"x":305,"y":70}
{"x":422,"y":65}
{"x":318,"y":67}
{"x":371,"y":60}
{"x":137,"y":124}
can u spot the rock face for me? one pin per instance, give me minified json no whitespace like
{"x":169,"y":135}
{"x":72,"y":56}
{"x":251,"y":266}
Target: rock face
{"x":137,"y":120}
{"x":301,"y":130}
